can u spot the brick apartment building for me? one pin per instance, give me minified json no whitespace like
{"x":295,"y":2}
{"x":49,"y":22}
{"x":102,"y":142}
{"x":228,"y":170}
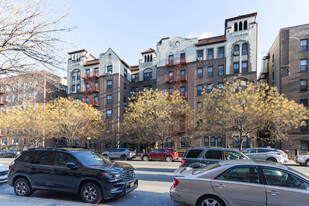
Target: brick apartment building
{"x":286,"y":67}
{"x":39,"y":87}
{"x":184,"y":64}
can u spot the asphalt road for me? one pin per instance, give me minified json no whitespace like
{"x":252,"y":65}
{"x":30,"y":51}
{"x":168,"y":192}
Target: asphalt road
{"x":155,"y":179}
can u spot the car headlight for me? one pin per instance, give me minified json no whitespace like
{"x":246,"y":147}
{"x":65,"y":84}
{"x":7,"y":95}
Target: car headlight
{"x":111,"y":175}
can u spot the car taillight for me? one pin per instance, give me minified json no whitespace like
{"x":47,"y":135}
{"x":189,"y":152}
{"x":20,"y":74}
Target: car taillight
{"x":11,"y":165}
{"x":175,"y":182}
{"x":183,"y":162}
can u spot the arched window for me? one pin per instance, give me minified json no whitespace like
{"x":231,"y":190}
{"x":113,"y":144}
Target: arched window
{"x":244,"y":49}
{"x":236,"y":50}
{"x":245,"y":25}
{"x":240,"y":26}
{"x":73,"y":76}
{"x":151,"y":58}
{"x":145,"y":59}
{"x":147,"y":74}
{"x":235,"y":26}
{"x":78,"y":75}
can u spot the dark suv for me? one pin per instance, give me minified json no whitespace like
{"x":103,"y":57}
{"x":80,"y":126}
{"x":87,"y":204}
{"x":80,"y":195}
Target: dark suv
{"x":199,"y":157}
{"x":84,"y":172}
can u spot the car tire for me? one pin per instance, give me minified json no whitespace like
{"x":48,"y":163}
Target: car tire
{"x":22,"y":187}
{"x":271,"y":159}
{"x":123,"y":157}
{"x":210,"y":200}
{"x":91,"y":193}
{"x":168,"y":158}
{"x":307,"y":163}
{"x":145,"y":158}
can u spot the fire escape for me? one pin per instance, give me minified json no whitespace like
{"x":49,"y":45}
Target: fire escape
{"x":176,"y":79}
{"x":89,"y":88}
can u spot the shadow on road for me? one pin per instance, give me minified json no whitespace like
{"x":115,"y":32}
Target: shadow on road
{"x":155,"y":177}
{"x":155,"y":170}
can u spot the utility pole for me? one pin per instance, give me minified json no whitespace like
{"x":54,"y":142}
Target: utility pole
{"x":44,"y":102}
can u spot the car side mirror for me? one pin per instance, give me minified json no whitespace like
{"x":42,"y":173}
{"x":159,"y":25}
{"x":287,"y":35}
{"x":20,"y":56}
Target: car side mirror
{"x":71,"y":165}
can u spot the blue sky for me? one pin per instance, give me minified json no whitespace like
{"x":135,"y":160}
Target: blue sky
{"x":131,"y":26}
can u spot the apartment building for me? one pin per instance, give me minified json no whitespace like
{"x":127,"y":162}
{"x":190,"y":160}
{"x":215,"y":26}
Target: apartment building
{"x":39,"y":87}
{"x":184,"y":64}
{"x":286,"y":67}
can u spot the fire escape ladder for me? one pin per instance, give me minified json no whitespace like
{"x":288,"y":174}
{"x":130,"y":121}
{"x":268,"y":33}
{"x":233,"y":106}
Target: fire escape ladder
{"x":87,"y":80}
{"x":177,"y":86}
{"x":175,"y":72}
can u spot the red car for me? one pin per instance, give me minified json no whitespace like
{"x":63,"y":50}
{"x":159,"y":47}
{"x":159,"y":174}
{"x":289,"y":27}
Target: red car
{"x":160,"y":154}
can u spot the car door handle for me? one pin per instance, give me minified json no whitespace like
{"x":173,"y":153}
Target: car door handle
{"x":273,"y":192}
{"x":220,"y":186}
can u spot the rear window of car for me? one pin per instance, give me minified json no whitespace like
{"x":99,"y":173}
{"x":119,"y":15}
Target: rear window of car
{"x":194,"y":153}
{"x":265,"y":150}
{"x":172,"y":150}
{"x":214,"y":154}
{"x":208,"y":167}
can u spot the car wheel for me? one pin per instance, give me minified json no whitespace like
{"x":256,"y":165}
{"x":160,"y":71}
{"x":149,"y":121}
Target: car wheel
{"x":168,"y":159}
{"x":123,"y":157}
{"x":145,"y":158}
{"x":91,"y":193}
{"x":271,"y":159}
{"x":307,"y":163}
{"x":22,"y":187}
{"x":210,"y":201}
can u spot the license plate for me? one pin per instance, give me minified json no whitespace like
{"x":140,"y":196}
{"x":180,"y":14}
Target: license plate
{"x":131,"y":184}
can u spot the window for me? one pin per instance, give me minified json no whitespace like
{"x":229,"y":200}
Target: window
{"x":221,"y":52}
{"x":182,"y":57}
{"x":183,"y":91}
{"x":96,"y":71}
{"x":214,"y":154}
{"x":304,"y":128}
{"x":42,"y":158}
{"x":182,"y":74}
{"x":73,"y":88}
{"x":96,"y":85}
{"x":87,"y":100}
{"x":135,"y":77}
{"x":219,"y":142}
{"x":170,"y":91}
{"x":303,"y":65}
{"x":210,"y":71}
{"x":244,"y":67}
{"x":213,"y":142}
{"x":303,"y":85}
{"x":109,"y":99}
{"x":110,"y":69}
{"x":210,"y":53}
{"x":206,"y":141}
{"x":304,"y":102}
{"x":148,"y":87}
{"x":245,"y":25}
{"x":88,"y":87}
{"x":240,"y":26}
{"x":125,"y":87}
{"x":220,"y":70}
{"x":200,"y":55}
{"x":25,"y":85}
{"x":170,"y":74}
{"x":96,"y":98}
{"x":25,"y":97}
{"x":235,"y":26}
{"x":73,"y":76}
{"x":244,"y":49}
{"x":200,"y":72}
{"x":147,"y":75}
{"x":243,"y":85}
{"x":171,"y":59}
{"x":109,"y":84}
{"x":14,"y":97}
{"x":88,"y":72}
{"x":78,"y":88}
{"x":78,"y":75}
{"x":303,"y":44}
{"x":134,"y":89}
{"x":236,"y":68}
{"x":109,"y":114}
{"x":125,"y":73}
{"x":4,"y":141}
{"x":220,"y":85}
{"x":199,"y":105}
{"x":282,"y":178}
{"x":241,"y":174}
{"x":199,"y":90}
{"x":236,"y":50}
{"x":62,"y":159}
{"x":194,"y":153}
{"x":35,"y":95}
{"x":209,"y":88}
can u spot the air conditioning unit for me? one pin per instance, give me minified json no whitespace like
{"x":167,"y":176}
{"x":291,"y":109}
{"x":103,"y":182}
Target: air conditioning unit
{"x":236,"y":53}
{"x":199,"y":58}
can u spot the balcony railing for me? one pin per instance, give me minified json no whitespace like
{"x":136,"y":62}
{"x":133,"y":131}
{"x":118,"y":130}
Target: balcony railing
{"x":90,"y":89}
{"x":172,"y":62}
{"x":90,"y":75}
{"x":176,"y":78}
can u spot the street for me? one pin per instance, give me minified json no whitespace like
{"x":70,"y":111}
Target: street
{"x":155,"y":179}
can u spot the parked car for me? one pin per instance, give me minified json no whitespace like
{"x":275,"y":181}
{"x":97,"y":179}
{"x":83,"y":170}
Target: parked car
{"x":3,"y":174}
{"x":302,"y":160}
{"x":160,"y":154}
{"x":200,"y":157}
{"x":268,"y":154}
{"x":120,"y":153}
{"x":240,"y":183}
{"x":10,"y":153}
{"x":77,"y":171}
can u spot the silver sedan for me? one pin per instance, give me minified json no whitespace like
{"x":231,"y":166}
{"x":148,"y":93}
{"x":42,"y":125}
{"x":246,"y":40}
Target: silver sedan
{"x":241,"y":183}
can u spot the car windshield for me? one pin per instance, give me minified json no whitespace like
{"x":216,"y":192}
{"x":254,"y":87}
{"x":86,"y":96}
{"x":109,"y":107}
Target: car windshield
{"x":91,"y":158}
{"x":203,"y":169}
{"x":299,"y":173}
